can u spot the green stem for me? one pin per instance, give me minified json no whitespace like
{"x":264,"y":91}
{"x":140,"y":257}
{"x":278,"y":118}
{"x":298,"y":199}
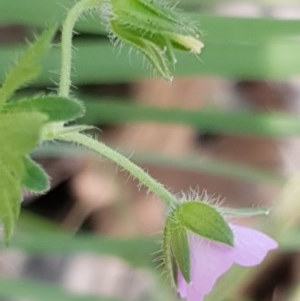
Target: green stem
{"x":157,"y":188}
{"x":64,"y":90}
{"x":66,"y":42}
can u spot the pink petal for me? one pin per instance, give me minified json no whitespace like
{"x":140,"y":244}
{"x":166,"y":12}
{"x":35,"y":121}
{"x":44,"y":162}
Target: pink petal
{"x":251,"y":246}
{"x":182,"y":285}
{"x":186,"y":291}
{"x":209,"y":260}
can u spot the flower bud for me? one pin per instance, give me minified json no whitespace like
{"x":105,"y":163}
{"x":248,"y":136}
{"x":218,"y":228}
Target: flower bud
{"x":154,"y":29}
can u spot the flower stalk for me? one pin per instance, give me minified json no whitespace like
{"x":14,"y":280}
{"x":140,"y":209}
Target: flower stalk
{"x":144,"y":178}
{"x":66,"y":42}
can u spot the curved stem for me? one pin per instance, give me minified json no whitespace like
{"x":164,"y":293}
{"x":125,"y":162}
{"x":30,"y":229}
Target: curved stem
{"x":66,"y":42}
{"x":64,"y":90}
{"x":157,"y":188}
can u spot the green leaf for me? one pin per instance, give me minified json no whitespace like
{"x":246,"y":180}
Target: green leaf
{"x":27,"y":66}
{"x":35,"y":178}
{"x":19,"y":133}
{"x":202,"y":219}
{"x":180,"y":247}
{"x":55,"y":107}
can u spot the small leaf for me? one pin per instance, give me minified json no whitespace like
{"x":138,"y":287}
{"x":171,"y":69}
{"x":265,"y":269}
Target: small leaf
{"x":56,"y":108}
{"x":180,"y":248}
{"x":204,"y":220}
{"x":35,"y":178}
{"x":27,"y":66}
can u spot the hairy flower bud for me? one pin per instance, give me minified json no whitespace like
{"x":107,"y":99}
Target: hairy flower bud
{"x":154,"y":29}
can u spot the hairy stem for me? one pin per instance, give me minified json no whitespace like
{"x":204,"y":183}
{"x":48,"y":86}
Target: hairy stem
{"x":66,"y":42}
{"x":64,"y":90}
{"x":144,"y":178}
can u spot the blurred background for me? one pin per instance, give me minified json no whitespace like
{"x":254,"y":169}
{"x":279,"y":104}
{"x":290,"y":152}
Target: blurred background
{"x":228,"y":125}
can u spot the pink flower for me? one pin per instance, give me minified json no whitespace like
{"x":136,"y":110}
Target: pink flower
{"x":210,"y":259}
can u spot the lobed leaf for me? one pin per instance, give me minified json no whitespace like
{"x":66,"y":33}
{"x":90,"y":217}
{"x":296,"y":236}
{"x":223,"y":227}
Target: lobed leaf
{"x":19,"y":133}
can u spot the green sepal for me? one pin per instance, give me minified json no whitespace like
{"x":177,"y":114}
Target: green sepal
{"x":35,"y":178}
{"x":180,"y":247}
{"x":151,"y":16}
{"x":168,"y":258}
{"x":27,"y":67}
{"x":204,"y":220}
{"x":154,"y":46}
{"x":56,"y":108}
